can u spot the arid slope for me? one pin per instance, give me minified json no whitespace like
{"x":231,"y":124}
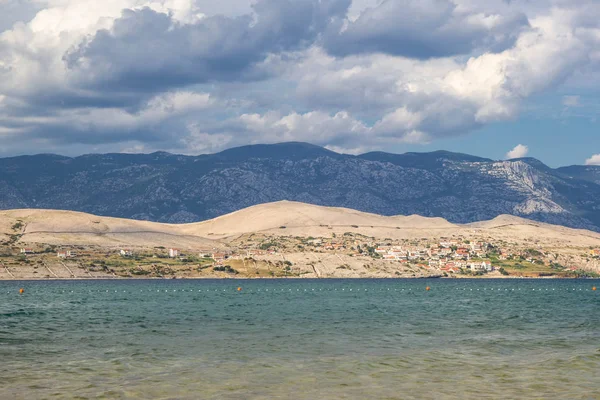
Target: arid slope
{"x":279,"y":218}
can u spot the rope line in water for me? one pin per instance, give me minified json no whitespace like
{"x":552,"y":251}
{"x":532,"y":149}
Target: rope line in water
{"x":241,"y":290}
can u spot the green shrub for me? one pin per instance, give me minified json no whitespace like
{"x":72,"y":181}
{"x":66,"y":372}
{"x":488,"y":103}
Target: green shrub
{"x":267,"y":245}
{"x":226,"y":268}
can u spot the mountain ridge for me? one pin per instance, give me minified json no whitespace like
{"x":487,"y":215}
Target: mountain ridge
{"x":174,"y":188}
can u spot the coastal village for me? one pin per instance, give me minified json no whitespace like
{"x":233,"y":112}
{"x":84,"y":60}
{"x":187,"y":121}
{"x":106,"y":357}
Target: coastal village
{"x":348,"y":255}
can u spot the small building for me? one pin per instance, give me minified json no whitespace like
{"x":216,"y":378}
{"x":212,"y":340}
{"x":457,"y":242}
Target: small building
{"x":462,"y":253}
{"x":334,"y":246}
{"x":66,"y":254}
{"x":478,"y":247}
{"x":26,"y":251}
{"x":126,"y":253}
{"x":445,"y":251}
{"x":173,"y":253}
{"x":219,"y":257}
{"x":450,"y":267}
{"x":481,"y":266}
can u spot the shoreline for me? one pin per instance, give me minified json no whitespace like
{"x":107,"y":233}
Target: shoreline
{"x":287,"y":278}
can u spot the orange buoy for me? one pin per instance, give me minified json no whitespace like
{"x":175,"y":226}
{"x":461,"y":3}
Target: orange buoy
{"x":239,"y":289}
{"x":594,"y":288}
{"x":428,"y":288}
{"x":21,"y":291}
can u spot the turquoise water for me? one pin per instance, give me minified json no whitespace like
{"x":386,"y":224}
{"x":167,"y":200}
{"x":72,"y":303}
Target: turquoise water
{"x":301,"y":339}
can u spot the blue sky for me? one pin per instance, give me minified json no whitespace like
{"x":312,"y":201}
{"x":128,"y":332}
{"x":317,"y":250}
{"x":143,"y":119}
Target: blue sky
{"x":497,"y":79}
{"x":558,"y":140}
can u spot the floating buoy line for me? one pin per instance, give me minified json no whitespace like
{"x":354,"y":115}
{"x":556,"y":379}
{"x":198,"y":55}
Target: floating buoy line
{"x":241,"y":290}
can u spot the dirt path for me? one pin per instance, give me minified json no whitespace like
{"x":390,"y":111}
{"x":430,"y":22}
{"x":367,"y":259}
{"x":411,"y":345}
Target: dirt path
{"x":49,"y":270}
{"x":7,"y":270}
{"x":317,"y":272}
{"x":68,"y":269}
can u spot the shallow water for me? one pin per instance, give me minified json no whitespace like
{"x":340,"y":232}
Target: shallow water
{"x":301,"y":339}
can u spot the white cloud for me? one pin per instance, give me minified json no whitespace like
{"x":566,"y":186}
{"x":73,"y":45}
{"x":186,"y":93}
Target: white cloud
{"x":340,"y":131}
{"x":70,"y":76}
{"x":452,"y":97}
{"x":593,"y":160}
{"x":315,"y":127}
{"x":519,"y":151}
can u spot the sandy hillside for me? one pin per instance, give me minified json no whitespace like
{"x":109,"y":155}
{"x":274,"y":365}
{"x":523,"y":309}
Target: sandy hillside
{"x":281,"y":218}
{"x":504,"y":220}
{"x":307,"y":219}
{"x":70,"y":227}
{"x":508,"y":227}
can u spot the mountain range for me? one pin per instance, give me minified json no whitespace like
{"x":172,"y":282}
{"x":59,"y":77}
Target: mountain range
{"x":172,"y":188}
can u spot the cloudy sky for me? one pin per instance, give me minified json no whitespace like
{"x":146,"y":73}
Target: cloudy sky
{"x":495,"y":78}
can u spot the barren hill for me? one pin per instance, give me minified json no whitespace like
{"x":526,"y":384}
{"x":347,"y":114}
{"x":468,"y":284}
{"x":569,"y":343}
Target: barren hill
{"x":280,"y":218}
{"x":307,"y":220}
{"x":58,"y":227}
{"x":278,"y":239}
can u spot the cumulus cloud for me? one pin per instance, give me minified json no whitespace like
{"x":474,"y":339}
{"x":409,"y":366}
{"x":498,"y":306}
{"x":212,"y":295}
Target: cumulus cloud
{"x":451,"y":96}
{"x":148,"y":50}
{"x":159,"y":121}
{"x":593,"y":160}
{"x":178,"y":75}
{"x":519,"y":151}
{"x":423,"y":29}
{"x":340,"y":131}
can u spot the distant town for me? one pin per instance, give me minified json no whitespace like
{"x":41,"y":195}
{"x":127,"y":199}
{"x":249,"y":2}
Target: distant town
{"x":256,"y":255}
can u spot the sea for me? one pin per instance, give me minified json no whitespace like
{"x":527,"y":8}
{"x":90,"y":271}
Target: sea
{"x":300,"y":339}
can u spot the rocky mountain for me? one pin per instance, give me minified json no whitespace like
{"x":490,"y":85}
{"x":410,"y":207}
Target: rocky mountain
{"x":174,"y":188}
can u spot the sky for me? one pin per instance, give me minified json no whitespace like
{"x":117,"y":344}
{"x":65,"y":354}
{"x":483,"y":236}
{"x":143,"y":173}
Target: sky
{"x":495,"y":78}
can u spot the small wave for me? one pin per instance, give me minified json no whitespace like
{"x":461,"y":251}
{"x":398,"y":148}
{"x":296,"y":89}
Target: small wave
{"x":21,"y":313}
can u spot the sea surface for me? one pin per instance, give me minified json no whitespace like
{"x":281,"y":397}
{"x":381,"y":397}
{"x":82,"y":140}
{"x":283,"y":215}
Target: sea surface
{"x":300,"y":339}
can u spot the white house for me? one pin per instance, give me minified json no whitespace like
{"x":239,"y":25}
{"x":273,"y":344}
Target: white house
{"x":126,"y":253}
{"x":488,"y":266}
{"x":382,"y":250}
{"x":66,"y":254}
{"x":173,"y":253}
{"x":481,"y":266}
